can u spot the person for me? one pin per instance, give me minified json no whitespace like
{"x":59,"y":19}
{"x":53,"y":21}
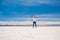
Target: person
{"x":34,"y":22}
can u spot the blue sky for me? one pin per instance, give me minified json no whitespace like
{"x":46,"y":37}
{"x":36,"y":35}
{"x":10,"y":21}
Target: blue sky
{"x":18,"y":8}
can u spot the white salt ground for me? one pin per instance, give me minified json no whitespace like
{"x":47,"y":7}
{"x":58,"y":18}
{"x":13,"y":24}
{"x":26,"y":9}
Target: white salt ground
{"x":29,"y":33}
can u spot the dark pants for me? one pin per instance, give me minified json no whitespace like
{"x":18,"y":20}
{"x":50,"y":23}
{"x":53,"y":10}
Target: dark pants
{"x":34,"y":24}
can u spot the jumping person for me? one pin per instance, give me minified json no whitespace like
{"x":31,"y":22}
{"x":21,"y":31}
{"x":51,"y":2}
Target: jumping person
{"x":34,"y":22}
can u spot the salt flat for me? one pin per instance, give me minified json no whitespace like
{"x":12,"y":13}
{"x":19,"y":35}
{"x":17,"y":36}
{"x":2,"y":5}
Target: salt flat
{"x":29,"y":33}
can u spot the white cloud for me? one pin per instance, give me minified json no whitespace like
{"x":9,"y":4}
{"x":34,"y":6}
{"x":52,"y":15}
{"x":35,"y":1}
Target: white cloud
{"x":31,"y":2}
{"x":38,"y":2}
{"x":34,"y":2}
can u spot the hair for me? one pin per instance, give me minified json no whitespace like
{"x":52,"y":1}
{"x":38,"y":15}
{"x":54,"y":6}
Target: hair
{"x":33,"y":16}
